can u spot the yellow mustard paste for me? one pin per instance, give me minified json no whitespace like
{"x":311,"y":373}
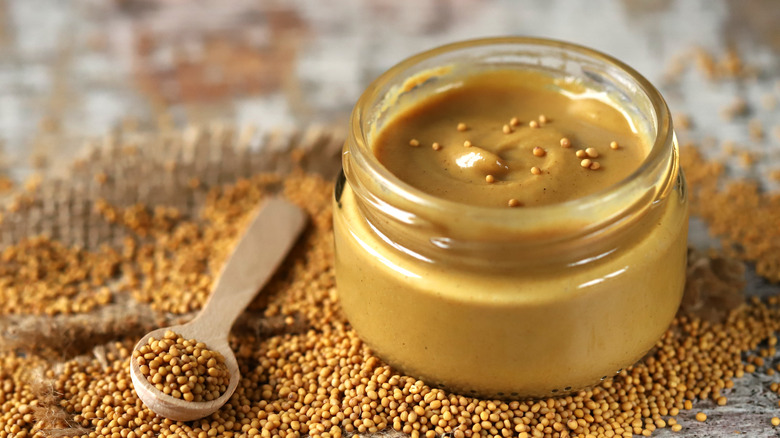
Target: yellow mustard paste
{"x":504,"y":135}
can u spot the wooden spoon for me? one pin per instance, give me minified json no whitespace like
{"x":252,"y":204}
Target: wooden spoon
{"x":261,"y":250}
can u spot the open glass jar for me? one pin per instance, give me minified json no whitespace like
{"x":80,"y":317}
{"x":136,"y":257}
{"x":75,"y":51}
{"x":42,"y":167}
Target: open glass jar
{"x":499,"y":302}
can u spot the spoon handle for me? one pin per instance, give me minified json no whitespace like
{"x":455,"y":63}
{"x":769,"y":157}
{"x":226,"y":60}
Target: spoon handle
{"x":257,"y":256}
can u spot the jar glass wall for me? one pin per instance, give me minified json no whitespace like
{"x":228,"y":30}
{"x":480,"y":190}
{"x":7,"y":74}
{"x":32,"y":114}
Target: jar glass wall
{"x":510,"y":302}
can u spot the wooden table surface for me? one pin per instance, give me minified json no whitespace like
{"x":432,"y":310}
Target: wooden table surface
{"x":72,"y":70}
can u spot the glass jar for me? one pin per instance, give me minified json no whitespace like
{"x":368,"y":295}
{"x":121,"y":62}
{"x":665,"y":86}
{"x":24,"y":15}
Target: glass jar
{"x":502,"y":302}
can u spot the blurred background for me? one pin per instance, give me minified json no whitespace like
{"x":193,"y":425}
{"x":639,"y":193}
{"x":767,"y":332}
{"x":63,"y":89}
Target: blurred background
{"x":72,"y":70}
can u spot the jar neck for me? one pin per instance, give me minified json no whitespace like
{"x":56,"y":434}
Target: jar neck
{"x":571,"y":235}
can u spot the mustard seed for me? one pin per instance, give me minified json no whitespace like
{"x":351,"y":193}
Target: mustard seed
{"x":586,"y":163}
{"x":514,"y":122}
{"x":436,"y":146}
{"x":539,"y":152}
{"x":595,"y":165}
{"x":565,"y":143}
{"x":775,"y":421}
{"x":536,"y":171}
{"x":581,"y":153}
{"x":462,"y":127}
{"x":506,"y":129}
{"x":701,"y":417}
{"x":467,"y":144}
{"x":101,"y":178}
{"x":533,"y":124}
{"x":490,"y":179}
{"x":513,"y":203}
{"x":414,"y":142}
{"x":592,"y":152}
{"x":614,"y":145}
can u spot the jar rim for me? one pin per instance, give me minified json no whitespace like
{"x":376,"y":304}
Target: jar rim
{"x":656,"y":157}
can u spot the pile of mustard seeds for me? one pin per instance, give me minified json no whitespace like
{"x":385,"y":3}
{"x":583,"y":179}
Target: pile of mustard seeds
{"x":183,"y":368}
{"x":314,"y":376}
{"x":738,"y":212}
{"x":167,"y":260}
{"x":43,"y":277}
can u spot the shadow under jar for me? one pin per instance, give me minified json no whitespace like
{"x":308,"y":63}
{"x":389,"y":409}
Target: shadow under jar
{"x":511,"y":302}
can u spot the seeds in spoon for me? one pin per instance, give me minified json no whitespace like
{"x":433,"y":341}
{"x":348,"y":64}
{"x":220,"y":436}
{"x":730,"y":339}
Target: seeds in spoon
{"x":183,"y":368}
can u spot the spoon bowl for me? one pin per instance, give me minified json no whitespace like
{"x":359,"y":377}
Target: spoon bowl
{"x":178,"y":409}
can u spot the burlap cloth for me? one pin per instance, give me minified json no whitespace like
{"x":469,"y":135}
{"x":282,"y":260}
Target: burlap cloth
{"x":173,"y":169}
